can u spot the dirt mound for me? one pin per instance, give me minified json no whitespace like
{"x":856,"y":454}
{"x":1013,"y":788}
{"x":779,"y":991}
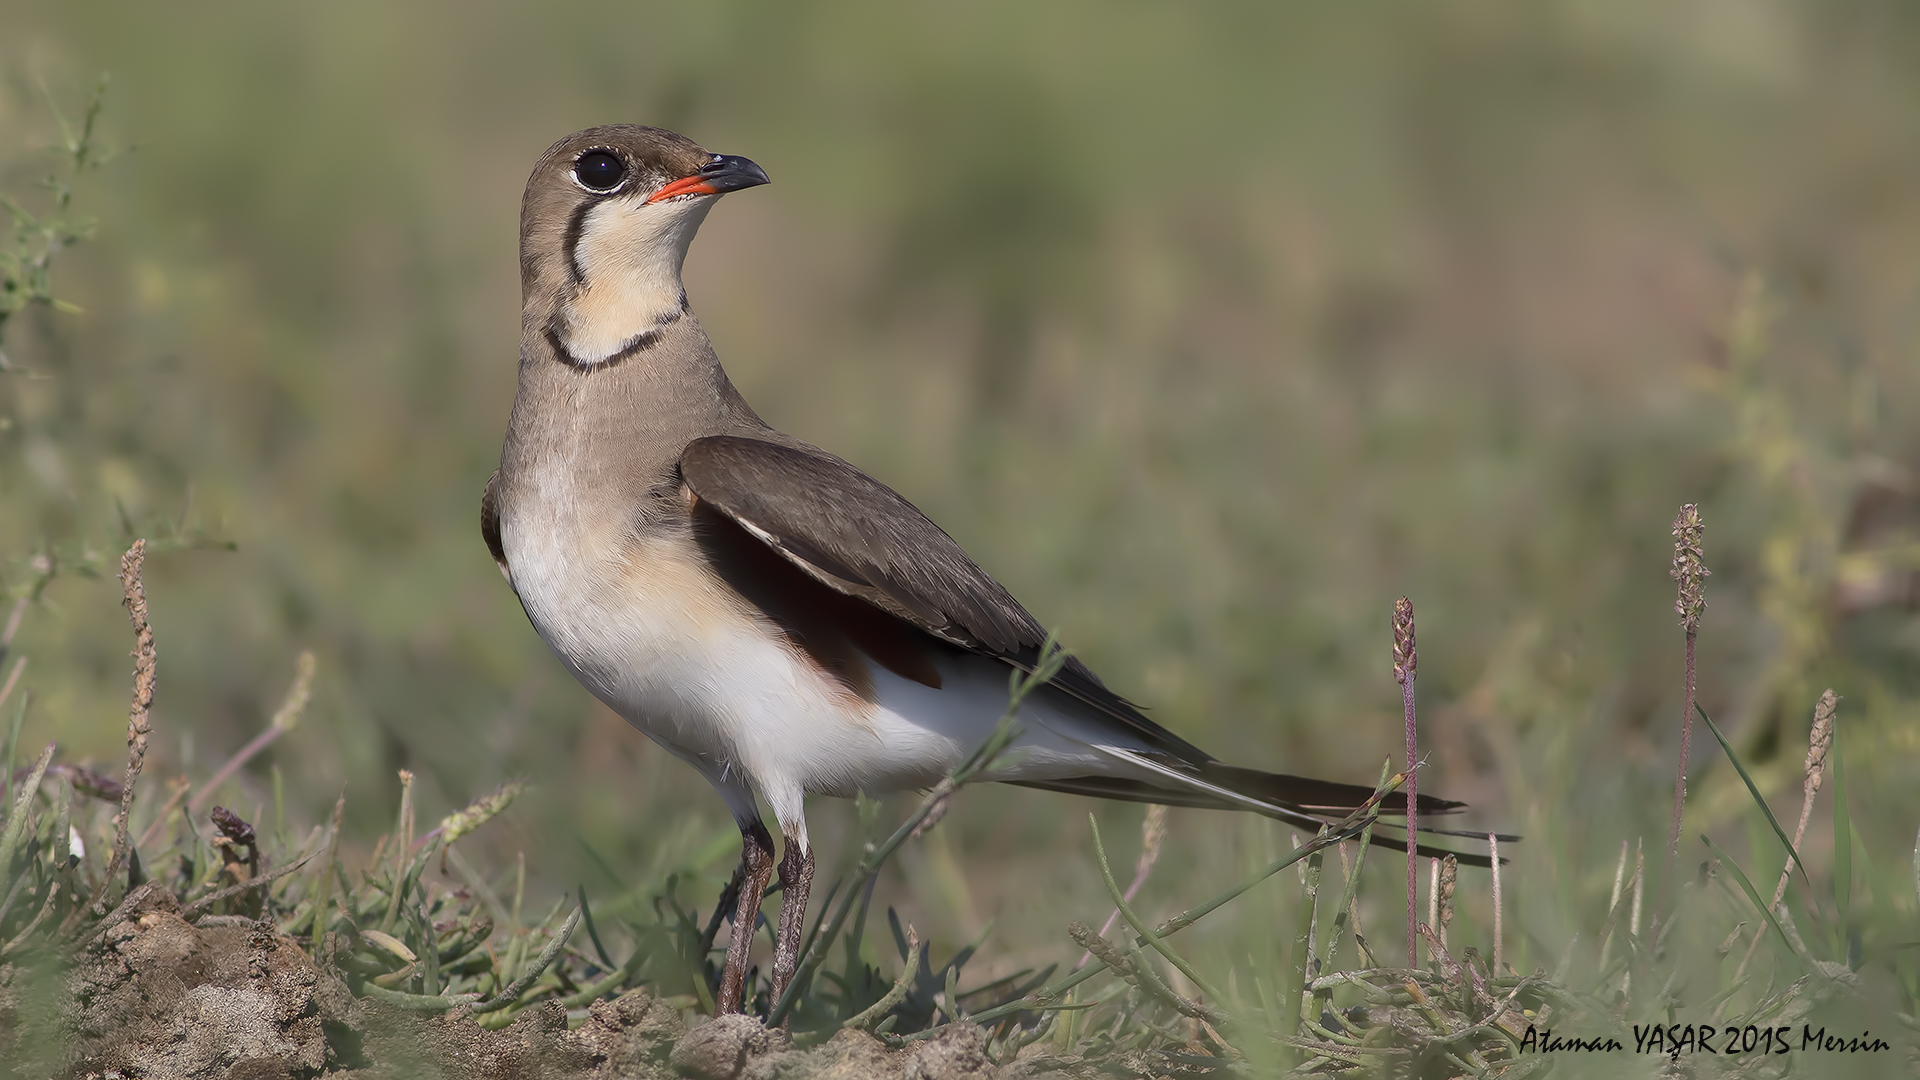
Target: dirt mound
{"x":152,"y":995}
{"x":156,"y":997}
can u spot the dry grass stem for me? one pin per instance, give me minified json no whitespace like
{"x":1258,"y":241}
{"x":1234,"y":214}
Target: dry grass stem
{"x":1639,"y":887}
{"x":1613,"y":899}
{"x":1406,"y":664}
{"x":159,"y":822}
{"x":145,"y":661}
{"x":13,"y":624}
{"x":1447,"y":873}
{"x":231,"y":891}
{"x":1619,"y":876}
{"x":1819,"y":745}
{"x":1433,"y":893}
{"x":13,"y":678}
{"x":284,"y":720}
{"x":379,"y":849}
{"x":1689,"y":573}
{"x":1493,"y":851}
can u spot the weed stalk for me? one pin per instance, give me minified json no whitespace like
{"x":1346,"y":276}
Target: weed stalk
{"x":1689,"y":573}
{"x":1406,"y":662}
{"x":145,"y":662}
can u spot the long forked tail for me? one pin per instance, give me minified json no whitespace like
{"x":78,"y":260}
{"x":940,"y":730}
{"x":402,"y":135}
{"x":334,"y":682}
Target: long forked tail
{"x":1297,"y":800}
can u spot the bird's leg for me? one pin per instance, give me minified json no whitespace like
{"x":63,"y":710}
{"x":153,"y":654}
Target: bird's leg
{"x":756,"y":863}
{"x":796,"y":878}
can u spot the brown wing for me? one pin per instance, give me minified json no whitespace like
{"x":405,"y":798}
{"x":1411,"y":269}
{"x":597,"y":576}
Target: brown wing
{"x":862,"y":539}
{"x":490,"y":522}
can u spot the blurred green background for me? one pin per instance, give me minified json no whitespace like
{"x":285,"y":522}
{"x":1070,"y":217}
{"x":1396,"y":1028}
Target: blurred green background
{"x":1209,"y":329}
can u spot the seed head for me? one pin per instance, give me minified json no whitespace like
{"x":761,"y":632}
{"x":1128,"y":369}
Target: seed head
{"x":1449,"y":875}
{"x":1405,"y":659}
{"x":1820,"y":739}
{"x":1153,"y":833}
{"x":1689,"y":570}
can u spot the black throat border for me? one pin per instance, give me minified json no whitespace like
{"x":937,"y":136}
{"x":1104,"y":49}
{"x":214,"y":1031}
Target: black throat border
{"x":634,"y":345}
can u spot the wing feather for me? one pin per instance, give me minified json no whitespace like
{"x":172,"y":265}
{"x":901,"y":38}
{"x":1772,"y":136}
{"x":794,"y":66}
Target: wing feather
{"x":490,"y":523}
{"x":859,"y":537}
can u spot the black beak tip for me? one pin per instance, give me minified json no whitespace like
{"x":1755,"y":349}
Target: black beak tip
{"x":731,"y":172}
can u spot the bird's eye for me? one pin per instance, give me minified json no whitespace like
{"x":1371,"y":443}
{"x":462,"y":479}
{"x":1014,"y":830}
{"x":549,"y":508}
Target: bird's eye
{"x":600,"y":170}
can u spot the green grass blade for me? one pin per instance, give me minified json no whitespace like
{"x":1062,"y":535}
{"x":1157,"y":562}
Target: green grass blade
{"x":1754,"y":790}
{"x":1139,"y":925}
{"x":1345,"y":912}
{"x":13,"y":747}
{"x":1753,"y":894}
{"x":1842,"y":842}
{"x":593,"y":934}
{"x":601,"y":864}
{"x":17,"y":818}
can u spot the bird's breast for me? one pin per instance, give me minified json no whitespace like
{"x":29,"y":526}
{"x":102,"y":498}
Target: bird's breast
{"x":635,"y":611}
{"x":628,"y":607}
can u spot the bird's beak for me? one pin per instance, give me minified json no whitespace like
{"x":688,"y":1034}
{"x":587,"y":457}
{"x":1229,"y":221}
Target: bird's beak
{"x":726,"y":172}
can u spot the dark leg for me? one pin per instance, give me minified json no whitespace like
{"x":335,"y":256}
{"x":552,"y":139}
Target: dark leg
{"x":796,"y":878}
{"x":756,"y":863}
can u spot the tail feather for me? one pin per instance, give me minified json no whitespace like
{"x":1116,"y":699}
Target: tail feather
{"x":1314,"y":795}
{"x":1297,"y":800}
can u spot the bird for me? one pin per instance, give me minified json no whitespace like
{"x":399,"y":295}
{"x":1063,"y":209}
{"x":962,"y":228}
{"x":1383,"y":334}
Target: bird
{"x":765,"y":611}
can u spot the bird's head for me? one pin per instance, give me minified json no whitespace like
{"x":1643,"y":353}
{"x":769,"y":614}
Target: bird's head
{"x":604,"y":229}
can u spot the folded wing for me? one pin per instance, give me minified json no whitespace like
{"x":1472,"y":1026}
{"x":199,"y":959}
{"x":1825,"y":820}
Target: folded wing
{"x":859,"y":537}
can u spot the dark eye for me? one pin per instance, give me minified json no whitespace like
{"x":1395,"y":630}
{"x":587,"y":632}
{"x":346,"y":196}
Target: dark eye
{"x":600,"y":170}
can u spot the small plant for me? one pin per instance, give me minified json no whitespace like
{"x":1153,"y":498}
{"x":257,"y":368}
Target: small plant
{"x":26,"y":263}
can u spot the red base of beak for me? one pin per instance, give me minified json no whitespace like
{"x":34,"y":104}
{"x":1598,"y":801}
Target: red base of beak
{"x":686,"y":185}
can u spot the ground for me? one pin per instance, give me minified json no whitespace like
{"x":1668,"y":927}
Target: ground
{"x":151,"y":995}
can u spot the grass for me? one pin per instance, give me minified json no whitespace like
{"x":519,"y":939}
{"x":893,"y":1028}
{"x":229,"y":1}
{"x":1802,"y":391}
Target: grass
{"x":402,"y":935}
